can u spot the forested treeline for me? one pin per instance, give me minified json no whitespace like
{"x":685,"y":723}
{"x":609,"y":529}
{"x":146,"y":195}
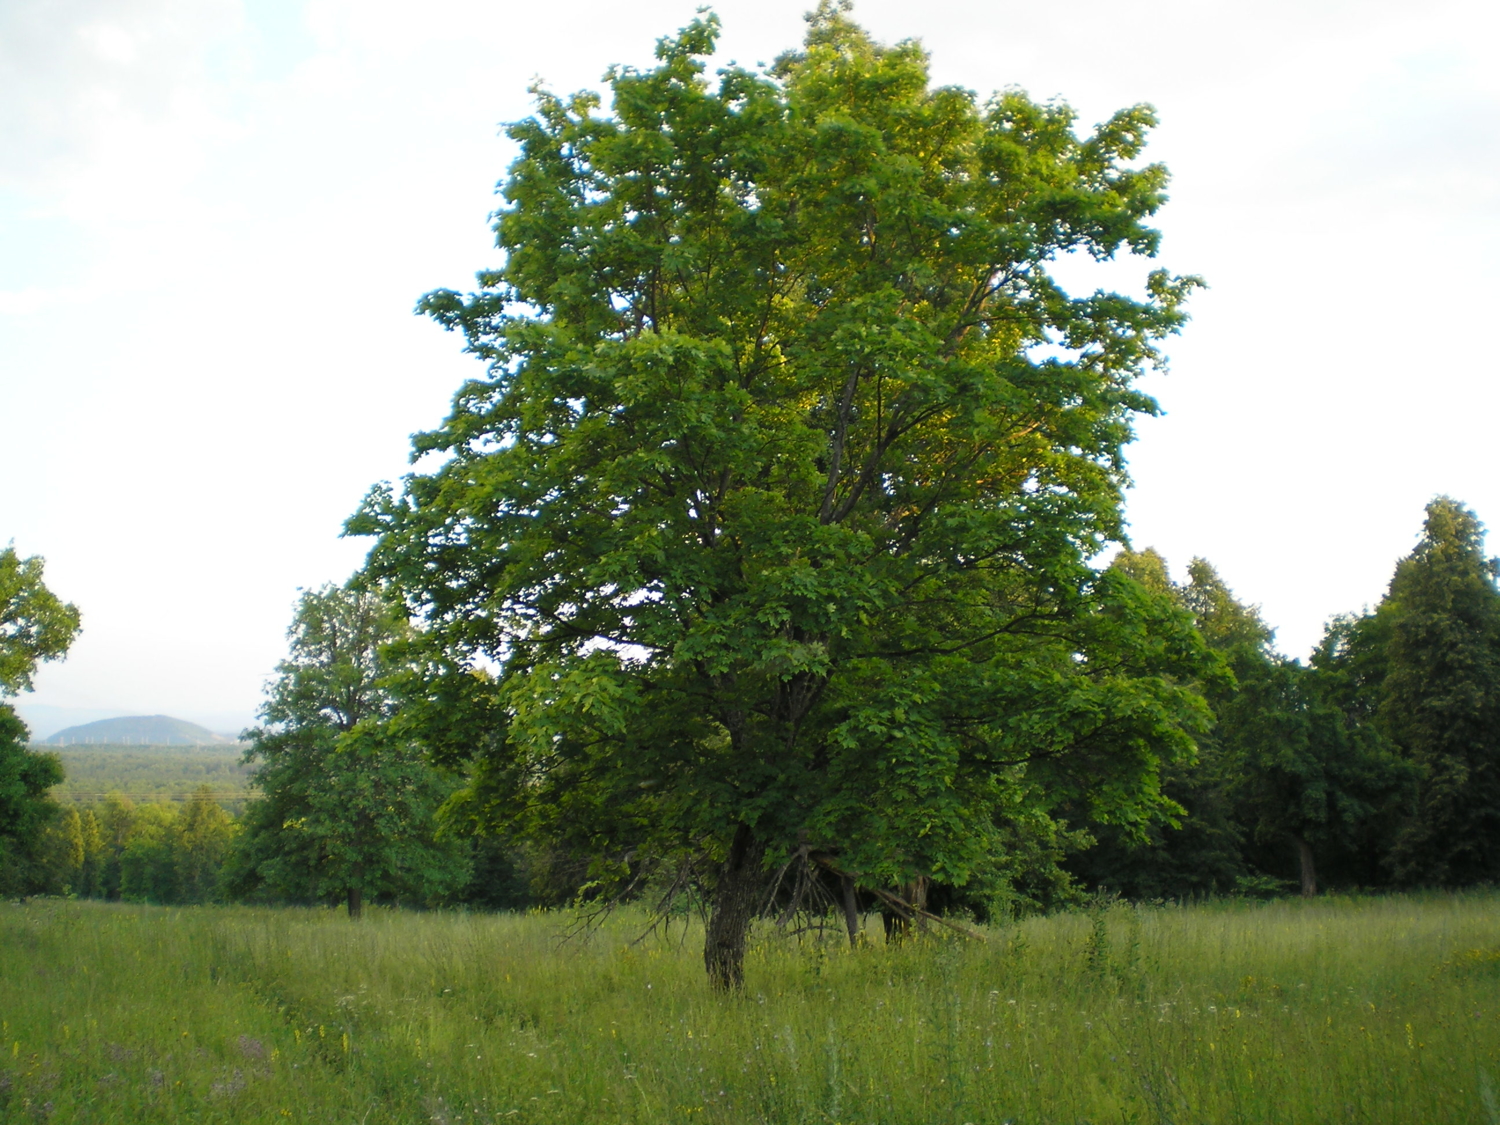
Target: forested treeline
{"x":190,"y":852}
{"x":155,"y":852}
{"x":1372,"y":765}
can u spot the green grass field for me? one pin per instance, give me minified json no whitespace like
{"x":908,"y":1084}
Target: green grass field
{"x":1378,"y":1010}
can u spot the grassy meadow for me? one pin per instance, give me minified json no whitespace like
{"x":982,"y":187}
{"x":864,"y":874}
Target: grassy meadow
{"x":1380,"y":1010}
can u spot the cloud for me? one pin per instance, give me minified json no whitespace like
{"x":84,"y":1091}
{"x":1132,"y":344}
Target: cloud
{"x":84,"y":79}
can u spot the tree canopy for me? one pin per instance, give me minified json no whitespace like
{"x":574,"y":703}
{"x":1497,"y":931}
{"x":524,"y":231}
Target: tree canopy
{"x":347,"y":809}
{"x":1290,"y":771}
{"x":1423,"y":670}
{"x":35,"y":625}
{"x":766,"y":537}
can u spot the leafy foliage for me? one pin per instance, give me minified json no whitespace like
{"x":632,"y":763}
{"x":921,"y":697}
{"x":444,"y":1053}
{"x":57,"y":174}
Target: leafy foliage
{"x":1304,"y":779}
{"x":1288,"y":770}
{"x":169,"y":853}
{"x":348,"y":807}
{"x":35,"y":625}
{"x":1200,"y":849}
{"x":772,"y":518}
{"x":1423,"y":671}
{"x":1308,"y":776}
{"x":164,"y":853}
{"x":25,"y":808}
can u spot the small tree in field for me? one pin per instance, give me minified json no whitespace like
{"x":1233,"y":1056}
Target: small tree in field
{"x":348,"y":810}
{"x":766,"y":536}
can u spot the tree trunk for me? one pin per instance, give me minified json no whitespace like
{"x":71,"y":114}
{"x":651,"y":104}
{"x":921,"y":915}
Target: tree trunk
{"x":736,"y":899}
{"x":916,"y":892}
{"x":356,"y":903}
{"x":898,"y":925}
{"x":1309,"y":873}
{"x":851,"y":908}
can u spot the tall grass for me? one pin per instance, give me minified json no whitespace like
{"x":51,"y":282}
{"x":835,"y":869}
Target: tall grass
{"x":1334,"y":1010}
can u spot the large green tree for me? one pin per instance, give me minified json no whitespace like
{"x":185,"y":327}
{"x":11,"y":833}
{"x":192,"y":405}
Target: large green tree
{"x":766,"y":537}
{"x":35,"y":625}
{"x":347,"y":808}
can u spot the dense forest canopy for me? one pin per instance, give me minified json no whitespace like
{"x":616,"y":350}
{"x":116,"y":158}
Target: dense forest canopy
{"x":153,"y":773}
{"x":1310,"y":775}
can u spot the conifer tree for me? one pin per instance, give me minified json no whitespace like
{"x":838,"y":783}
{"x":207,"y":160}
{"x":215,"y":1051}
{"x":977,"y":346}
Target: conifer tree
{"x":1440,"y":699}
{"x":90,"y":877}
{"x":116,"y":818}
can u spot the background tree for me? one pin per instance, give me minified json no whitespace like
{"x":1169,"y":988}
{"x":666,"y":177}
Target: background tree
{"x":61,"y":854}
{"x":773,"y":515}
{"x":89,"y":879}
{"x":148,"y":867}
{"x":348,"y":809}
{"x":1256,"y":712}
{"x":202,"y":838}
{"x":1200,"y":849}
{"x":1438,"y":701}
{"x":116,"y":819}
{"x":1285,"y":772}
{"x":1307,"y":776}
{"x":1348,"y":671}
{"x":161,"y":853}
{"x":34,"y":626}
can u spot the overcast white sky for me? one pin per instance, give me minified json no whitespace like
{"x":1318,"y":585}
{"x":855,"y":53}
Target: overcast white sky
{"x":216,"y":215}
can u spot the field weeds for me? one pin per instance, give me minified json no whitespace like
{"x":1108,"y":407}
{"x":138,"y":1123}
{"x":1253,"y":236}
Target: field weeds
{"x":1368,"y":1010}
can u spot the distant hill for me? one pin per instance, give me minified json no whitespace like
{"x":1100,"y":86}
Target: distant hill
{"x":138,"y":730}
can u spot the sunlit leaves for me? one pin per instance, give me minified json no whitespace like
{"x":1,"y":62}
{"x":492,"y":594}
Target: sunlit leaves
{"x":777,"y":503}
{"x":35,"y":625}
